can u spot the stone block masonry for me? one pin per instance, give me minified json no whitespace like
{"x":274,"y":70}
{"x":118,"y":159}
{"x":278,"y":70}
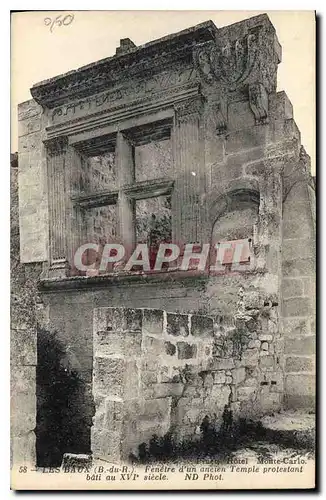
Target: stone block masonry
{"x":156,"y":372}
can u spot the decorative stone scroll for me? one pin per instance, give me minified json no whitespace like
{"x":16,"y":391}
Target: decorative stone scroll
{"x":258,"y":100}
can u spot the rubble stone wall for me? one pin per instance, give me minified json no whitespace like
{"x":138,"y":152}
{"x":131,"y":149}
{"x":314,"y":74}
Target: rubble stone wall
{"x":156,"y":372}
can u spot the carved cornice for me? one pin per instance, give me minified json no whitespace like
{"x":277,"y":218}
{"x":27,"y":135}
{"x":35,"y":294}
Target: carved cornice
{"x":143,"y":61}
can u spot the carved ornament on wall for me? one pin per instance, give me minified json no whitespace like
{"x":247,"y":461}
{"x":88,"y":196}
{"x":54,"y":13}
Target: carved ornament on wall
{"x":230,"y":63}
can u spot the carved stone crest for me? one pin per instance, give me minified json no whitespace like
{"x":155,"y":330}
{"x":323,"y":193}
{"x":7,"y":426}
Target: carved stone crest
{"x":230,"y":63}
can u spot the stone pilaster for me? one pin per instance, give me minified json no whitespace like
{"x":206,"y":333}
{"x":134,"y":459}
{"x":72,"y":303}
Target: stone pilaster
{"x":58,"y":162}
{"x":190,"y":183}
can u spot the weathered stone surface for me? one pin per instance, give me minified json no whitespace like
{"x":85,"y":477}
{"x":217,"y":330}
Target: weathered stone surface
{"x":250,"y":382}
{"x":300,"y":345}
{"x":109,"y":376}
{"x":296,"y":306}
{"x":221,"y":364}
{"x":238,"y":375}
{"x":186,"y":350}
{"x":220,"y":395}
{"x":265,"y":337}
{"x":29,"y":125}
{"x":106,"y":444}
{"x":152,"y":321}
{"x":245,"y":393}
{"x":178,"y":324}
{"x":299,"y":364}
{"x":201,"y":326}
{"x":208,"y":378}
{"x":266,"y":362}
{"x":149,"y":378}
{"x":300,"y":384}
{"x":170,"y":348}
{"x":254,"y":344}
{"x":245,"y":139}
{"x":292,"y":288}
{"x":270,"y":401}
{"x":256,"y":168}
{"x":219,"y":377}
{"x":295,"y":326}
{"x":28,"y":109}
{"x":122,"y":343}
{"x":299,"y":267}
{"x":152,"y":346}
{"x":23,"y":449}
{"x":23,"y":400}
{"x":250,"y":357}
{"x":23,"y":346}
{"x":118,"y":319}
{"x":166,"y":390}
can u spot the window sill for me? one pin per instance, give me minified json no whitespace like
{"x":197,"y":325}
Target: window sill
{"x":121,"y":278}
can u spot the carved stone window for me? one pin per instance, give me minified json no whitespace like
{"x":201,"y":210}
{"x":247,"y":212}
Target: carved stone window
{"x":125,"y":187}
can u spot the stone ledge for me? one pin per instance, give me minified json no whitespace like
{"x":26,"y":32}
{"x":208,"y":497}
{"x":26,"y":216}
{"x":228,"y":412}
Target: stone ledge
{"x":94,"y":282}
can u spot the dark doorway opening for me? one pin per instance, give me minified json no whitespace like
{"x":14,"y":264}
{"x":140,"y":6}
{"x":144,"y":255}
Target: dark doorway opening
{"x":61,"y":422}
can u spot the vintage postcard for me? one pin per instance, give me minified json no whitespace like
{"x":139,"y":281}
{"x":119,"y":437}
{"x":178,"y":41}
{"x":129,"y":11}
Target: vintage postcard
{"x":163,"y":250}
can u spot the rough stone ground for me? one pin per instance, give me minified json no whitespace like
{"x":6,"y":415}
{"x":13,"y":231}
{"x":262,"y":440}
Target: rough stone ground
{"x":290,"y":421}
{"x":289,"y":434}
{"x":296,"y":427}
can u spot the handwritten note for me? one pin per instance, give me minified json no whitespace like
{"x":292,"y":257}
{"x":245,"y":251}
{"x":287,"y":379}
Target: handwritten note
{"x":58,"y":21}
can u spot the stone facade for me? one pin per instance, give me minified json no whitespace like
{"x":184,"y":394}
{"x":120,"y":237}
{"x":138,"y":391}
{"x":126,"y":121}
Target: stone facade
{"x":228,"y":161}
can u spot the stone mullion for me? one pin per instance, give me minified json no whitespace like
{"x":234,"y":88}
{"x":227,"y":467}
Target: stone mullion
{"x":126,"y":206}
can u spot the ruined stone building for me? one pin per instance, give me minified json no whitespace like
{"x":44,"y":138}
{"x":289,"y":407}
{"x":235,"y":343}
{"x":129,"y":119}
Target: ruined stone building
{"x":189,"y":135}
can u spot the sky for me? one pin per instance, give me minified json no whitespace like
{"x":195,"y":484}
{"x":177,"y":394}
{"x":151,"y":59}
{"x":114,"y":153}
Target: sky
{"x":39,"y":52}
